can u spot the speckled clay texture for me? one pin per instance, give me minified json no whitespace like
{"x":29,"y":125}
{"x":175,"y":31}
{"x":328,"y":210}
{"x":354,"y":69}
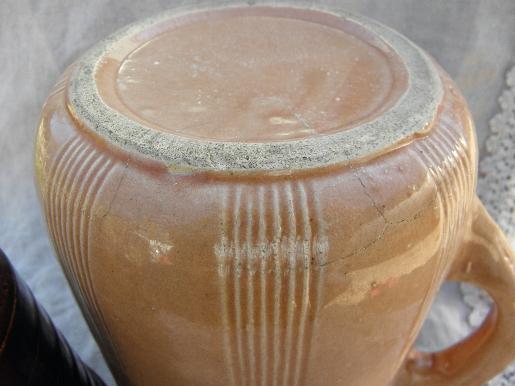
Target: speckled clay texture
{"x":412,"y":114}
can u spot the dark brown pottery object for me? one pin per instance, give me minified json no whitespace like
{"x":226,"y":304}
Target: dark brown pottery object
{"x":32,"y":351}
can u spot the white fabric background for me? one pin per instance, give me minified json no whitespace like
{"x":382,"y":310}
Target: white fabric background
{"x":473,"y":40}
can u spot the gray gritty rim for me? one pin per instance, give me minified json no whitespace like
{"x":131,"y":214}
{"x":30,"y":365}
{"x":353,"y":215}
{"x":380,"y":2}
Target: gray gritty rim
{"x":411,"y":114}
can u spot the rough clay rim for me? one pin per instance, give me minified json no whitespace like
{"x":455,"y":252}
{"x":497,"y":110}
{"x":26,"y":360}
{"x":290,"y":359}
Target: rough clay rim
{"x":411,"y":114}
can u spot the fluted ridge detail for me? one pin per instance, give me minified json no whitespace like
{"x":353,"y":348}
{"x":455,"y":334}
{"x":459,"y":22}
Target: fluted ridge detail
{"x":270,"y":253}
{"x":75,"y":178}
{"x":445,"y":155}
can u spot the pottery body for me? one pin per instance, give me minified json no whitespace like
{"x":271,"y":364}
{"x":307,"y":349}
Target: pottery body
{"x":310,"y":276}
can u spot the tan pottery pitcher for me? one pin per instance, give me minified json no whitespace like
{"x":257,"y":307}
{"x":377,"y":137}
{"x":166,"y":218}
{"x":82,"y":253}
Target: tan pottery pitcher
{"x":270,"y":195}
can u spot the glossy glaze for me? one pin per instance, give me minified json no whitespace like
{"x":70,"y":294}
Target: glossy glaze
{"x":205,"y":276}
{"x":256,"y":78}
{"x":33,"y":352}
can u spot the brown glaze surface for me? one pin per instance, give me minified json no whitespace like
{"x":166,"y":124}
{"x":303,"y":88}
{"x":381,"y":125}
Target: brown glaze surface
{"x":484,"y":259}
{"x":315,"y":277}
{"x":256,"y":78}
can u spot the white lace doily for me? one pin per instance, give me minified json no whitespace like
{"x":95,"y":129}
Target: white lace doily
{"x":496,"y":171}
{"x":496,"y":188}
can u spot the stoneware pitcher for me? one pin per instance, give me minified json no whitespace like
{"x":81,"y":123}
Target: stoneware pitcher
{"x":265,"y":195}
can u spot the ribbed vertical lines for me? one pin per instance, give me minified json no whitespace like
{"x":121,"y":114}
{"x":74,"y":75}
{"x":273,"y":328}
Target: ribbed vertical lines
{"x":59,"y":86}
{"x":250,"y":273}
{"x":263,"y":273}
{"x":60,"y":197}
{"x":456,"y":141}
{"x":445,"y":154}
{"x":238,"y":268}
{"x":306,"y":278}
{"x":269,"y":243}
{"x":51,"y":200}
{"x":67,"y":201}
{"x":277,"y":271}
{"x":75,"y":178}
{"x":292,"y":276}
{"x":319,"y":248}
{"x":98,"y":177}
{"x":224,"y":272}
{"x":93,"y":163}
{"x":432,"y":156}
